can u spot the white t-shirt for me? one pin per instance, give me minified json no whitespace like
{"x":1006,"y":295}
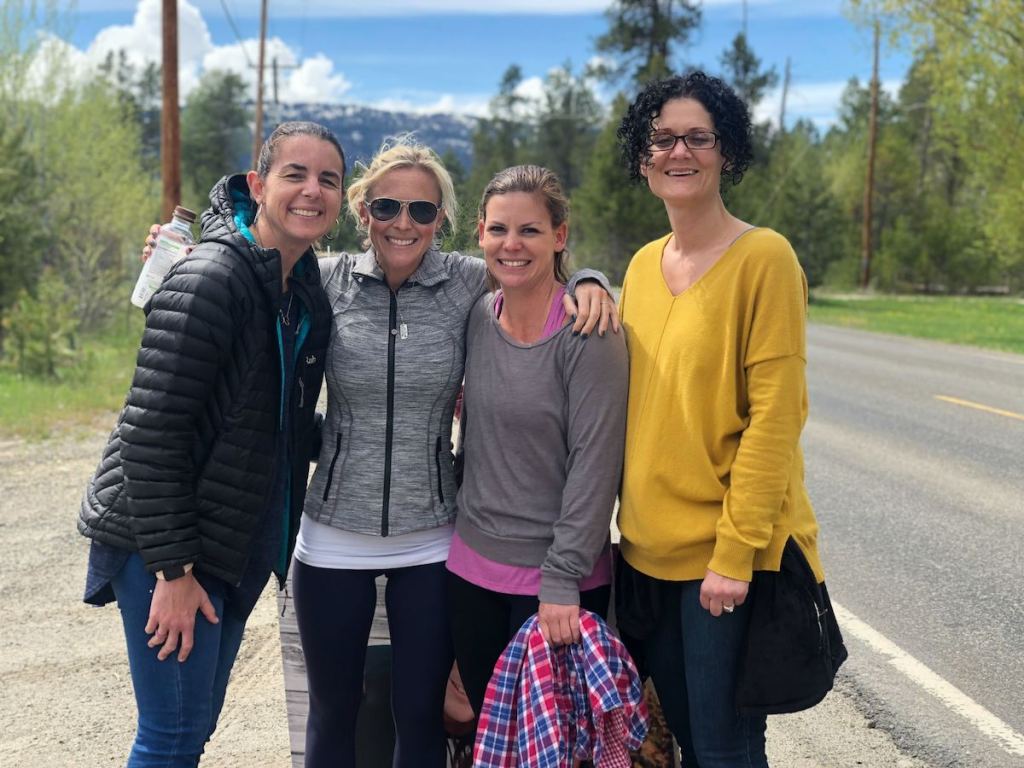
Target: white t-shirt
{"x":323,"y":546}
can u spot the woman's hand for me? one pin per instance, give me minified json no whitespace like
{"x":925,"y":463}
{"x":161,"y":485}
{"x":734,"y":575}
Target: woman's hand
{"x":720,"y":594}
{"x":560,"y":624}
{"x":592,"y":307}
{"x":147,"y":250}
{"x":172,"y":615}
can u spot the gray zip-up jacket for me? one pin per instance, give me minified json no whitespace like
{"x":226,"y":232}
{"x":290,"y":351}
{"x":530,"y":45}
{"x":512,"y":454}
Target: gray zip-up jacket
{"x":394,"y":369}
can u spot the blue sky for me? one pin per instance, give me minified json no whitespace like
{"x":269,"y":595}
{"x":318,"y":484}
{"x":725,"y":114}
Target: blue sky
{"x":449,"y":55}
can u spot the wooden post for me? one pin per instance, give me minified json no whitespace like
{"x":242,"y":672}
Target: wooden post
{"x":257,"y":134}
{"x":869,"y":184}
{"x":170,"y":128}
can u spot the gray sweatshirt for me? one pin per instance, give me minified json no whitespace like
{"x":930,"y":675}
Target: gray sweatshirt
{"x":544,"y":437}
{"x":394,"y":369}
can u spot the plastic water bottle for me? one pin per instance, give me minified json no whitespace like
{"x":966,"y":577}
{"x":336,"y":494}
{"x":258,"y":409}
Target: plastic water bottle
{"x":171,"y":246}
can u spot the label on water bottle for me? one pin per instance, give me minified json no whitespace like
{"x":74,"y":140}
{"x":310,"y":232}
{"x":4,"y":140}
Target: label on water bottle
{"x":169,"y":250}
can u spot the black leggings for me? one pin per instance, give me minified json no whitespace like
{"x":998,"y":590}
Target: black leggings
{"x":334,"y":609}
{"x":483,"y":623}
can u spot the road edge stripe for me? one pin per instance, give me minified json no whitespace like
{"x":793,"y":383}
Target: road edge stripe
{"x":955,"y":699}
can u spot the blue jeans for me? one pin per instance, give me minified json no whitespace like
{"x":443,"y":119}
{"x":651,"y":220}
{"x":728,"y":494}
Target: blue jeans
{"x":693,"y":658}
{"x":178,"y":702}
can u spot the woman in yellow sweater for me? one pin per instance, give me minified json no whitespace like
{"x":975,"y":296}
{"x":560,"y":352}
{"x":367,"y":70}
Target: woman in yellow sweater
{"x":713,"y":480}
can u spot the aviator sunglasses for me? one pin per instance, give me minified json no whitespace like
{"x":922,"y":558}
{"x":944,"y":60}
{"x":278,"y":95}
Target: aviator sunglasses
{"x":387,"y":208}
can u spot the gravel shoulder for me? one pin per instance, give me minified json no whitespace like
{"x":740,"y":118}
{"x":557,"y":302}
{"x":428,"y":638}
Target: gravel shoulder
{"x":67,"y":698}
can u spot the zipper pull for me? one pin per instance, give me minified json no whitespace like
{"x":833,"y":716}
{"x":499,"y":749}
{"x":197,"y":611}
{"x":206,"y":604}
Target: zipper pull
{"x":403,"y":331}
{"x":302,"y":392}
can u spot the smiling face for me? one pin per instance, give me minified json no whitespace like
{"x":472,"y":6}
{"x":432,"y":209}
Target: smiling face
{"x":401,"y":242}
{"x":300,"y":198}
{"x":682,"y":175}
{"x":519,"y":241}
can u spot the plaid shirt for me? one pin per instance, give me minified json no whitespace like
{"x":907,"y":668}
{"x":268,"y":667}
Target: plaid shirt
{"x":547,"y":707}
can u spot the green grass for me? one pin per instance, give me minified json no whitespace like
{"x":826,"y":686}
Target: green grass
{"x":995,"y":323}
{"x":86,"y":396}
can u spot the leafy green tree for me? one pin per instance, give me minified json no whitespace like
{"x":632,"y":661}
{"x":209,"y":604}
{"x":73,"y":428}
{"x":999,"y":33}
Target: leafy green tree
{"x":99,"y":198}
{"x":790,"y":193}
{"x":613,"y":216}
{"x":567,"y":122}
{"x":140,"y":96}
{"x":21,"y":232}
{"x":742,"y":69}
{"x":499,"y":140}
{"x":643,"y":34}
{"x":973,"y":56}
{"x":214,"y":132}
{"x":40,"y":329}
{"x":74,"y":193}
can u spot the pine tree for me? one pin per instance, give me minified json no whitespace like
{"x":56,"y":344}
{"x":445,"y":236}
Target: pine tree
{"x":215,"y":133}
{"x":613,"y":216}
{"x":642,"y":36}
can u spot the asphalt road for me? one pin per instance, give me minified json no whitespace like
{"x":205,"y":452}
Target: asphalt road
{"x":915,"y":464}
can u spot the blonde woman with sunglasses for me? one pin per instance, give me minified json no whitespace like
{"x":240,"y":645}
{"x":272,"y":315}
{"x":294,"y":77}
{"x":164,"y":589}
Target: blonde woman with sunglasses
{"x":382,"y":499}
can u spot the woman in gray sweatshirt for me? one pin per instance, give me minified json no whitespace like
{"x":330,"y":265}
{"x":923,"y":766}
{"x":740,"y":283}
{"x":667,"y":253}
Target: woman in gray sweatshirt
{"x":544,"y":428}
{"x":382,"y":499}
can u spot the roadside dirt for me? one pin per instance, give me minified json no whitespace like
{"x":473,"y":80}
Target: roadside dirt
{"x":66,"y":696}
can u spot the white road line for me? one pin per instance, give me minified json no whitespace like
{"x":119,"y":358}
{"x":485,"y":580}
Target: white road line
{"x":948,"y":694}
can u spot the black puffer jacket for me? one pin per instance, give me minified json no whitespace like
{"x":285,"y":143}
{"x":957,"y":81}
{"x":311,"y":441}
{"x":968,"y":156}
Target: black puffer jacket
{"x":189,"y":468}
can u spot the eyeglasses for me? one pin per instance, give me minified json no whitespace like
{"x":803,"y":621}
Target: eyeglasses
{"x":387,"y":208}
{"x":666,"y":142}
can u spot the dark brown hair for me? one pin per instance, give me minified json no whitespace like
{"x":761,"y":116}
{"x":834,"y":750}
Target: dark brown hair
{"x":268,"y":152}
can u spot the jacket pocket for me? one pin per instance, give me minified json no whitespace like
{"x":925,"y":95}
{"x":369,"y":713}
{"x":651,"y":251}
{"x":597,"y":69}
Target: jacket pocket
{"x":437,"y":465}
{"x":330,"y":470}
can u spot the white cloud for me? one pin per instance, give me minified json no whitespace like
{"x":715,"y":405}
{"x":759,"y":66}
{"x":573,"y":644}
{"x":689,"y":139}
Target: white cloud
{"x":315,"y":80}
{"x":141,"y":40}
{"x":531,"y":89}
{"x":55,"y":61}
{"x":299,"y":79}
{"x":474,"y":106}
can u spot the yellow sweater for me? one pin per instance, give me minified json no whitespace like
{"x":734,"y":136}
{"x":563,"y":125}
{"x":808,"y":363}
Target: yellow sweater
{"x":714,"y":476}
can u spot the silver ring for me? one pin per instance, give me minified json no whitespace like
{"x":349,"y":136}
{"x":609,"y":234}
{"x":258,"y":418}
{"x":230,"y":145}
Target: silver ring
{"x":728,"y":608}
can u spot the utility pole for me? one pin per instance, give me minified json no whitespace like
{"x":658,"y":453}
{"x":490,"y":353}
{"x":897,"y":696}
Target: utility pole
{"x":276,"y":67}
{"x":257,"y":135}
{"x":170,"y":128}
{"x":869,"y":185}
{"x":785,"y":95}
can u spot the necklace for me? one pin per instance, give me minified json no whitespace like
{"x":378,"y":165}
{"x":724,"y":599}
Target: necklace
{"x":286,"y":313}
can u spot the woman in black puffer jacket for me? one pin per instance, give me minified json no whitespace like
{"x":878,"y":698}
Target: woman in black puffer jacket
{"x":197,"y":498}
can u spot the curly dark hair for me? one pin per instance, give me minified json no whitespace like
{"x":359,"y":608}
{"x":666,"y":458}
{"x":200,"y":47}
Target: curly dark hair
{"x":729,"y":114}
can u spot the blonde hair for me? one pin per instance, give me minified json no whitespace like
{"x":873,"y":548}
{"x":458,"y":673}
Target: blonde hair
{"x":402,"y":152}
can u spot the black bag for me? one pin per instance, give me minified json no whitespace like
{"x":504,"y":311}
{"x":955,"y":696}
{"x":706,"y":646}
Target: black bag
{"x":793,"y":647}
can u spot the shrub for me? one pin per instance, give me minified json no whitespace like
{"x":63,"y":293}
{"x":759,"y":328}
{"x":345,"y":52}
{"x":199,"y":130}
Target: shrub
{"x":41,"y":329}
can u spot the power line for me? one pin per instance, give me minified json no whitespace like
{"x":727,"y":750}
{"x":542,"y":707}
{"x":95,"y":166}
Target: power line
{"x":238,"y":37}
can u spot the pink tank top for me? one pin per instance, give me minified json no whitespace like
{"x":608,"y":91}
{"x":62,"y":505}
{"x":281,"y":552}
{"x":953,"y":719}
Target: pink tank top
{"x":468,"y":564}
